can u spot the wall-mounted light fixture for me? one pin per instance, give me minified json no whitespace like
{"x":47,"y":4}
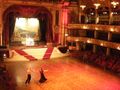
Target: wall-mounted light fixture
{"x":114,"y":4}
{"x":96,"y":5}
{"x":118,"y":47}
{"x":83,"y":6}
{"x":101,"y":44}
{"x":111,"y":29}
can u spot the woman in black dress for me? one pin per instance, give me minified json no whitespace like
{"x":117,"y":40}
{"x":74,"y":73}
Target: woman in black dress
{"x":42,"y":76}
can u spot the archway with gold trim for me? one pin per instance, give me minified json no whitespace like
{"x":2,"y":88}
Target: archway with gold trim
{"x":39,"y":12}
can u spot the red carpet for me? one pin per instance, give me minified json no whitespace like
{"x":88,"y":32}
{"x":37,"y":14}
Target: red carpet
{"x":48,"y":53}
{"x":31,"y":58}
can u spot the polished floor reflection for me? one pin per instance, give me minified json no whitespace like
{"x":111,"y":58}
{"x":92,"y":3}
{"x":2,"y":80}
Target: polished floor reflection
{"x":65,"y":73}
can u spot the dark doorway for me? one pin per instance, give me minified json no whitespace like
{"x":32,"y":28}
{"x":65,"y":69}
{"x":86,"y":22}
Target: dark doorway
{"x":83,"y":19}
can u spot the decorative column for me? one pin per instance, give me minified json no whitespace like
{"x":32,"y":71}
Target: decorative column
{"x":94,"y":46}
{"x":96,"y":13}
{"x":109,"y":39}
{"x":60,"y":28}
{"x":65,"y":36}
{"x":1,"y":23}
{"x":114,"y":4}
{"x":82,"y":13}
{"x":64,"y":22}
{"x":81,"y":32}
{"x":110,"y":13}
{"x":108,"y":51}
{"x":77,"y":46}
{"x":56,"y":26}
{"x":79,"y":11}
{"x":96,"y":22}
{"x":53,"y":25}
{"x":110,"y":17}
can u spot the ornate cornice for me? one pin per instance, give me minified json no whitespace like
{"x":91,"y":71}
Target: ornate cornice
{"x":6,"y":3}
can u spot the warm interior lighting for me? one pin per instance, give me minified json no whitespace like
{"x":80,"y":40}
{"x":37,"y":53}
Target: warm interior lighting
{"x":92,"y":13}
{"x":97,"y":19}
{"x":26,"y":28}
{"x":118,"y":48}
{"x":111,"y":29}
{"x":97,"y":5}
{"x":4,"y":55}
{"x":76,"y":40}
{"x":66,"y":34}
{"x":96,"y":28}
{"x":27,"y":23}
{"x":88,"y":41}
{"x":114,"y":13}
{"x":33,"y":22}
{"x":104,"y":13}
{"x":101,"y":44}
{"x":85,"y":27}
{"x":83,"y":6}
{"x":114,"y":4}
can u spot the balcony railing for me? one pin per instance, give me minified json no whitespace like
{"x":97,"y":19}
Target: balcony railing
{"x":108,"y":28}
{"x":94,"y":41}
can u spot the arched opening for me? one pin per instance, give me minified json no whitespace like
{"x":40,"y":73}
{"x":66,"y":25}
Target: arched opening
{"x":83,"y":19}
{"x":42,"y":14}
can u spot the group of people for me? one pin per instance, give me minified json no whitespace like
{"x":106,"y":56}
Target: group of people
{"x":42,"y":76}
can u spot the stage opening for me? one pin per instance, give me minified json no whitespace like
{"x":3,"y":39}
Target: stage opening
{"x":28,"y":32}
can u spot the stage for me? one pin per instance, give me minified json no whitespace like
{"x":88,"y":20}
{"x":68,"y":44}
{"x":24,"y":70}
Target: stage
{"x":33,"y":53}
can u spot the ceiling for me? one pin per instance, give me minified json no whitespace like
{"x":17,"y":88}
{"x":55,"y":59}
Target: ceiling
{"x":88,"y":3}
{"x":102,"y":2}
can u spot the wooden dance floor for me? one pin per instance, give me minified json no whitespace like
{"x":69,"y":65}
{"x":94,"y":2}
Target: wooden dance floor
{"x":65,"y":73}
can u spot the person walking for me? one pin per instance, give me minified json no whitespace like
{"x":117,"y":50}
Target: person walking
{"x":28,"y":76}
{"x":42,"y":76}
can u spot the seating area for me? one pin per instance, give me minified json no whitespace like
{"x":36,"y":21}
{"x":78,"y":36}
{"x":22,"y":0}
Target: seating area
{"x":6,"y":82}
{"x":4,"y":52}
{"x":99,"y":59}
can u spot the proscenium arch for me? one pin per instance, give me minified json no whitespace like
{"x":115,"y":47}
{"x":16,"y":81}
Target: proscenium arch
{"x":13,"y":11}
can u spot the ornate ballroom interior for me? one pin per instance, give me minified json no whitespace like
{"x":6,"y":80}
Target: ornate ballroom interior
{"x":85,"y":30}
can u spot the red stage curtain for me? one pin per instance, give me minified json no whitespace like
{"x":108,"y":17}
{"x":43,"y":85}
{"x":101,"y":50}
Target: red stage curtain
{"x":26,"y":11}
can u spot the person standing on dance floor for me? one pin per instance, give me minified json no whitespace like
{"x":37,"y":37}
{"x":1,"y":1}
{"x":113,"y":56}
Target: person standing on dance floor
{"x":28,"y":76}
{"x":42,"y":76}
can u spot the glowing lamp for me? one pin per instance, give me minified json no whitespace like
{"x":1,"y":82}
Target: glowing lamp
{"x":96,"y":28}
{"x":4,"y":55}
{"x":83,"y":6}
{"x":97,"y":5}
{"x":101,"y":44}
{"x":76,"y":40}
{"x":66,"y":34}
{"x":118,"y":48}
{"x":114,"y":4}
{"x":111,"y":29}
{"x":85,"y":27}
{"x":88,"y":41}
